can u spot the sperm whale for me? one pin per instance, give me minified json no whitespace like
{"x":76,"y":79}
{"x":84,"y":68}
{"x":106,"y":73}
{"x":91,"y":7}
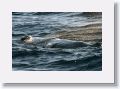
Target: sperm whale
{"x":52,"y":42}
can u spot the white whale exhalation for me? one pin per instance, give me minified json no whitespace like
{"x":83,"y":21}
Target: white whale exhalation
{"x":52,"y":42}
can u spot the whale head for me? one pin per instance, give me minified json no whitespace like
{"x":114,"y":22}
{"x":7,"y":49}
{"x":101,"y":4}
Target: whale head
{"x":27,"y":39}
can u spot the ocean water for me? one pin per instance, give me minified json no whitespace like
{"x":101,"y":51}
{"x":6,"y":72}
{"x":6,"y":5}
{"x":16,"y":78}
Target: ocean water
{"x":40,"y":24}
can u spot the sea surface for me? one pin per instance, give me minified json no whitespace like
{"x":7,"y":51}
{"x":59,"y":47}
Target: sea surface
{"x":40,"y":24}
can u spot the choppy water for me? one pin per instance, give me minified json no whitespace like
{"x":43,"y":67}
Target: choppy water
{"x":40,"y":24}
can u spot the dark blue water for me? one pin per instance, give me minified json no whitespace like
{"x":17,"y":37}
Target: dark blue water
{"x":40,"y":24}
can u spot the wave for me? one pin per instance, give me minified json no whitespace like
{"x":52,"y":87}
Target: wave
{"x":17,"y":13}
{"x":25,"y":52}
{"x":18,"y":34}
{"x":90,"y":63}
{"x":46,"y":13}
{"x":35,"y":13}
{"x":91,"y":13}
{"x":26,"y":25}
{"x":68,"y":14}
{"x":77,"y":61}
{"x":21,"y":65}
{"x":87,"y":63}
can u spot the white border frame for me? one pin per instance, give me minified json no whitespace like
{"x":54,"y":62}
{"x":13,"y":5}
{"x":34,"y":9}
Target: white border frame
{"x":104,"y":76}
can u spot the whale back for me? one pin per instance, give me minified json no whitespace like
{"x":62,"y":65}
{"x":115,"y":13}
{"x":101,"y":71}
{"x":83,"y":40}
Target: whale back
{"x":63,"y":43}
{"x":56,"y":43}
